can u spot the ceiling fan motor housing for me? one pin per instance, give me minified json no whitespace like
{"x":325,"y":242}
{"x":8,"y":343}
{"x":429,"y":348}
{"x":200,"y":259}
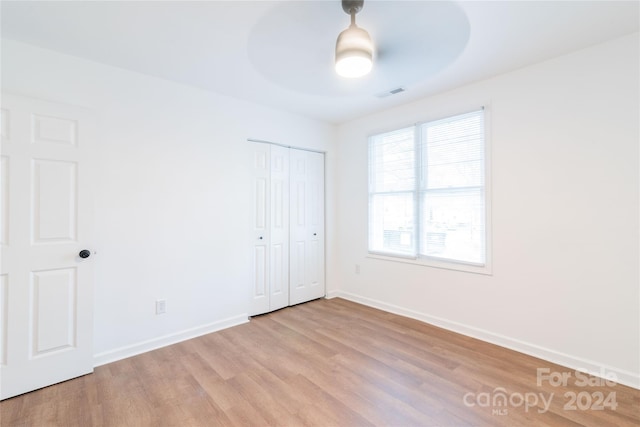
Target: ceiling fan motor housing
{"x":354,"y":41}
{"x":352,"y":6}
{"x":354,"y":52}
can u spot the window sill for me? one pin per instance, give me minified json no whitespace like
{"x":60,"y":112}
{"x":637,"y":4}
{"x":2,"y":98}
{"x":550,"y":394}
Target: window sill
{"x":436,"y":263}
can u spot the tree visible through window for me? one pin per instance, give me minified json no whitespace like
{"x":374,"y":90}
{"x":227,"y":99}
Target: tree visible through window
{"x":427,"y":190}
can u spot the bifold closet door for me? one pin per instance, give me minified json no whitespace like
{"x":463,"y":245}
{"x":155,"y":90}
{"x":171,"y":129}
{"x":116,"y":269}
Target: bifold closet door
{"x":270,"y":260}
{"x":306,"y":279}
{"x":288,"y":227}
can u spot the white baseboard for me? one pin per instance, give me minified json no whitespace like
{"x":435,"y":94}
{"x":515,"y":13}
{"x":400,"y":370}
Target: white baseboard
{"x":575,"y":363}
{"x":333,"y":294}
{"x":155,"y":343}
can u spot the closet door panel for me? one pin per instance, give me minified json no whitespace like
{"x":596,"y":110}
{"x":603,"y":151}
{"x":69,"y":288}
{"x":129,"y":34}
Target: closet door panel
{"x":298,"y":185}
{"x":260,"y":232}
{"x":279,"y":228}
{"x":307,"y":226}
{"x":315,"y":215}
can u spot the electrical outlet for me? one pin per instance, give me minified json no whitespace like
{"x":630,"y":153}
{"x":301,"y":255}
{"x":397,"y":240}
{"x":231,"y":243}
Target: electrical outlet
{"x":357,"y":268}
{"x":161,"y":306}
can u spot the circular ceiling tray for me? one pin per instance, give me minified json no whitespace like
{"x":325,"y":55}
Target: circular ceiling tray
{"x":293,"y":44}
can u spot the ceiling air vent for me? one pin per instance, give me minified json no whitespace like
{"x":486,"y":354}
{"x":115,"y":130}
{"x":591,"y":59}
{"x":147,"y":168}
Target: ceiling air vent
{"x":391,"y":92}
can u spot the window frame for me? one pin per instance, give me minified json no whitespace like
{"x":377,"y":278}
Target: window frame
{"x":430,"y":260}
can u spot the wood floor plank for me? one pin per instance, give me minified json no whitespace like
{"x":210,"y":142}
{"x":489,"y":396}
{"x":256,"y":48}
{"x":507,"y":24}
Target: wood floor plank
{"x":324,"y":363}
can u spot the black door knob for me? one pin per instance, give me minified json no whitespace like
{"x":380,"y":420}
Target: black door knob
{"x":84,"y":253}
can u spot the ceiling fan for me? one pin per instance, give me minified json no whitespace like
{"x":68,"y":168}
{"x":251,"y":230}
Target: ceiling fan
{"x":354,"y":47}
{"x":295,"y":45}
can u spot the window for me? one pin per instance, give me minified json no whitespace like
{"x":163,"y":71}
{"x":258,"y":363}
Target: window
{"x":427,"y":191}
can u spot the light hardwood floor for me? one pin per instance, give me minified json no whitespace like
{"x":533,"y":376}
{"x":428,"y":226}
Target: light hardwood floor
{"x":324,"y":363}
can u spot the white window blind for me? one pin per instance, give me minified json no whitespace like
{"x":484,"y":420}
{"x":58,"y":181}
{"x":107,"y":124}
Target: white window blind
{"x":392,"y":184}
{"x":427,"y":190}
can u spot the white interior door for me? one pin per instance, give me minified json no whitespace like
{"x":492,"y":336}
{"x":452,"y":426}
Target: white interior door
{"x":261,"y":217}
{"x":307,"y":226}
{"x":46,"y":297}
{"x":279,"y":229}
{"x":270,"y":258}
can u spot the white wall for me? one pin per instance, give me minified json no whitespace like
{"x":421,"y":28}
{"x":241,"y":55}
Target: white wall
{"x":565,"y":282}
{"x":172,"y":218}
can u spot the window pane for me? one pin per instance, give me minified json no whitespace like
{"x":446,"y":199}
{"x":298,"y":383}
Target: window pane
{"x":391,"y":224}
{"x":392,"y":161}
{"x":453,"y":225}
{"x":453,"y":152}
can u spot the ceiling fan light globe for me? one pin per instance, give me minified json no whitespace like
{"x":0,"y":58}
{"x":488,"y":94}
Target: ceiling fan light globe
{"x":353,"y":66}
{"x":354,"y":53}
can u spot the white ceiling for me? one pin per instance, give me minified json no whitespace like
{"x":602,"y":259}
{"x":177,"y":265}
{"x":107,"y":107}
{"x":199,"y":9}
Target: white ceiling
{"x":280,"y":53}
